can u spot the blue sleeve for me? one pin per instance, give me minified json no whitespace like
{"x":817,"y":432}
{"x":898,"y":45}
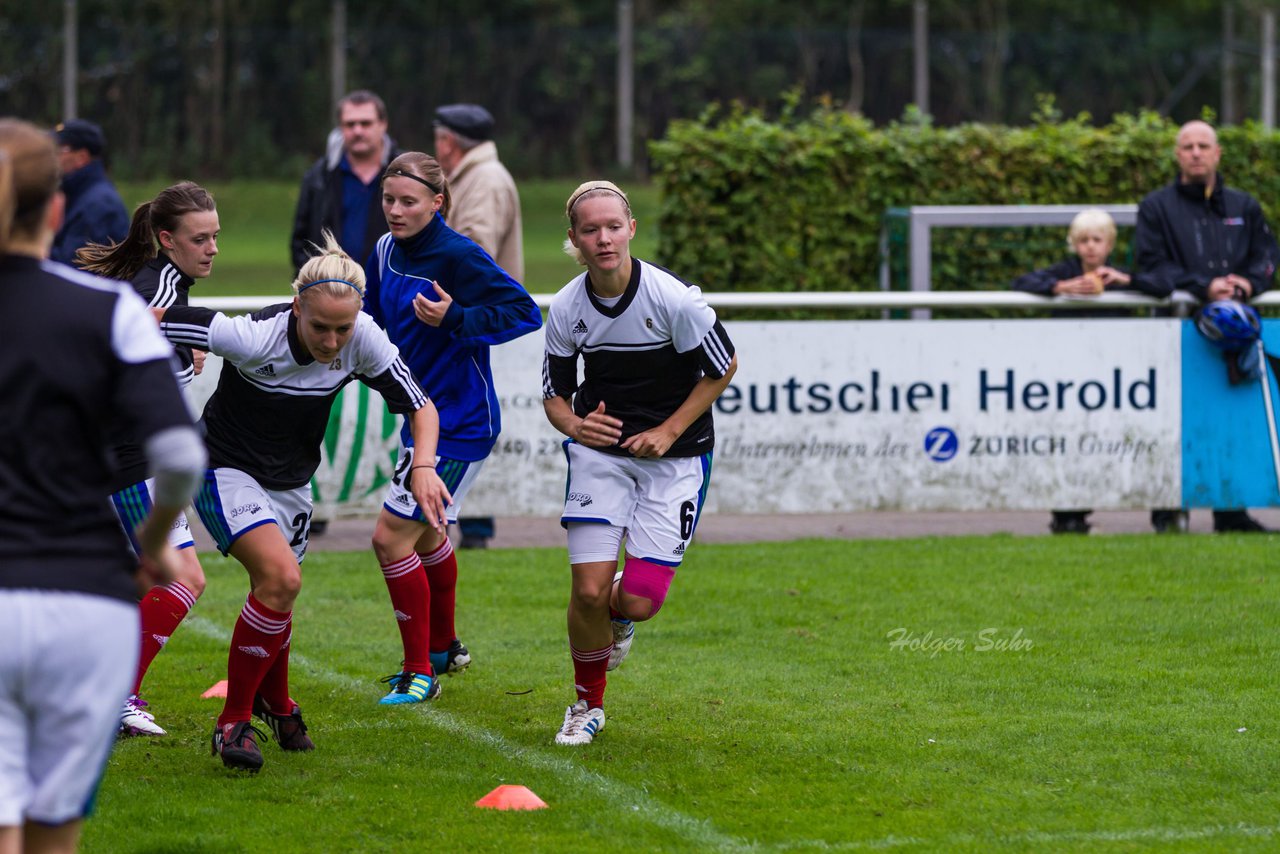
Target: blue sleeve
{"x":489,"y":307}
{"x":373,"y":287}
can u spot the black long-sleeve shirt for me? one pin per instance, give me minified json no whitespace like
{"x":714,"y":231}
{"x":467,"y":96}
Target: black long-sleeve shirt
{"x":1185,"y":240}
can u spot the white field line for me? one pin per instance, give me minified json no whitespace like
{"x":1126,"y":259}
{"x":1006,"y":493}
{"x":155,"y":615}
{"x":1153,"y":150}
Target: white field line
{"x":696,"y":831}
{"x":1142,"y":834}
{"x":700,"y":831}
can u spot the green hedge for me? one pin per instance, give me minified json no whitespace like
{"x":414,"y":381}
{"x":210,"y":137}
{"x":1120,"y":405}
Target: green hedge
{"x":797,"y":204}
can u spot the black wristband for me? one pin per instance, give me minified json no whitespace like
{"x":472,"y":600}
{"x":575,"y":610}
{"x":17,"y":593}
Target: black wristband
{"x":424,"y":466}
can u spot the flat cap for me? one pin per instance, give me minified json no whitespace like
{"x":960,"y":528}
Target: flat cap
{"x":469,"y":120}
{"x":79,"y":133}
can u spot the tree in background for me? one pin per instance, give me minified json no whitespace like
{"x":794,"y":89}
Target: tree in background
{"x":235,"y":87}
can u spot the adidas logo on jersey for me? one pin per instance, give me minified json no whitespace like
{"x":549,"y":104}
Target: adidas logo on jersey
{"x":401,"y":498}
{"x":265,"y":371}
{"x":580,"y":328}
{"x":678,"y":550}
{"x":255,"y":651}
{"x":160,"y":639}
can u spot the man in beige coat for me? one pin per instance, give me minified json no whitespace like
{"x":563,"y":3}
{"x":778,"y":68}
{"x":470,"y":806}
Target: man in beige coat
{"x":484,"y":203}
{"x":485,"y":206}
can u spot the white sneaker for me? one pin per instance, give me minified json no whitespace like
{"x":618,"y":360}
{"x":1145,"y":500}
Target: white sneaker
{"x":624,"y":631}
{"x":136,"y":720}
{"x":580,"y":724}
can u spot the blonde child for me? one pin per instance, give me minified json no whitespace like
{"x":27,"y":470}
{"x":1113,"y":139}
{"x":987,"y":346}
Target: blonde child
{"x":1092,"y":236}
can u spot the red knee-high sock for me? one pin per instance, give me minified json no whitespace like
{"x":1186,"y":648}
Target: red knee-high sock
{"x":255,"y":643}
{"x":275,"y":682}
{"x":589,"y":670}
{"x":442,"y":575}
{"x":411,"y":599}
{"x":161,"y":610}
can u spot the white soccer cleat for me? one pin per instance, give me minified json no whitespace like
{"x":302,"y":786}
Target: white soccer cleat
{"x":136,"y":720}
{"x":624,"y":631}
{"x":580,"y":724}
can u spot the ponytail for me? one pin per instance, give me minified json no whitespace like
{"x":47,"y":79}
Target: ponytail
{"x":122,"y":260}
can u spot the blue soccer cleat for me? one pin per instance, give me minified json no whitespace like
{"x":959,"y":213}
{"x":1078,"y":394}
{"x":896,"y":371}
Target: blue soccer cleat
{"x":407,"y":687}
{"x":453,"y":660}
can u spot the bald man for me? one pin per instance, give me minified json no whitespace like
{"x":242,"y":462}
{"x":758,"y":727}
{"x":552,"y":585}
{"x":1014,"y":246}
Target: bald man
{"x":1200,"y":236}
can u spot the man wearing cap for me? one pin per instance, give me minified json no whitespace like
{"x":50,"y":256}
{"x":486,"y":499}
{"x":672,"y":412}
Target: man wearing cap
{"x":341,"y":191}
{"x":485,"y":206}
{"x":94,"y":211}
{"x":483,"y":202}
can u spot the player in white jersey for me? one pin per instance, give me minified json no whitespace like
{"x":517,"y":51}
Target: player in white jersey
{"x":264,"y":426}
{"x":172,"y":242}
{"x":640,"y":434}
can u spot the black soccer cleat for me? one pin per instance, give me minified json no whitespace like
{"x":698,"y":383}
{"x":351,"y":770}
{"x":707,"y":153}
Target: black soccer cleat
{"x":237,"y":745}
{"x":289,"y":730}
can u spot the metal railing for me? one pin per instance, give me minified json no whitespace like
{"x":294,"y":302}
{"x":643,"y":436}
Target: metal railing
{"x":1180,"y":302}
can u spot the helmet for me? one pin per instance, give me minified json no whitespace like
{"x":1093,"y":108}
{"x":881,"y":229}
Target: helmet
{"x":1229,"y":325}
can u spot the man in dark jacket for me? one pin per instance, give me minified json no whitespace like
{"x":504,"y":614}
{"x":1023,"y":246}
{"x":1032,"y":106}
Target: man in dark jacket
{"x":1198,"y":235}
{"x":341,"y":191}
{"x":94,"y":211}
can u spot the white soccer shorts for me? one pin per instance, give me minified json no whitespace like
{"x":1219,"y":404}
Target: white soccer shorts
{"x":457,"y":475}
{"x":133,"y":504}
{"x":67,"y":662}
{"x":657,"y":501}
{"x":231,"y":503}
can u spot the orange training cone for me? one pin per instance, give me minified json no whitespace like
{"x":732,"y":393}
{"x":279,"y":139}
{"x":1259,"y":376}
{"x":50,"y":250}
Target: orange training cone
{"x":217,"y":689}
{"x":511,"y":798}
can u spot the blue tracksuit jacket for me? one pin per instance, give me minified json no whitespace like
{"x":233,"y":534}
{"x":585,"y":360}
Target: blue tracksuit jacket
{"x":450,"y":361}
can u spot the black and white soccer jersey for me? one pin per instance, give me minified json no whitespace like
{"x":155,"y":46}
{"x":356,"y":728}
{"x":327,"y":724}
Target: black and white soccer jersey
{"x":642,"y":355}
{"x":268,"y":415}
{"x":82,"y":354}
{"x":162,"y":285}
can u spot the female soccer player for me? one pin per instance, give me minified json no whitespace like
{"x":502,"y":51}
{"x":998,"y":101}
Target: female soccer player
{"x":171,"y":242}
{"x":80,"y":353}
{"x":264,"y":426}
{"x":443,"y":302}
{"x":640,"y":434}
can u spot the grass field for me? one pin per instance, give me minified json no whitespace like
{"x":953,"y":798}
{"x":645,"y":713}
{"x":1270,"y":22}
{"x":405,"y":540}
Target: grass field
{"x":257,"y":219}
{"x":970,"y":694}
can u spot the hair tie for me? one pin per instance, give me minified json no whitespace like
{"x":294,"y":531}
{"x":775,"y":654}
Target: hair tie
{"x":322,"y":281}
{"x":400,"y":173}
{"x":574,"y":203}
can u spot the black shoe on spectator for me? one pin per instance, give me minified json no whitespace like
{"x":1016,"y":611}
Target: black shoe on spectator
{"x":1170,"y":521}
{"x":1236,"y":522}
{"x":1070,"y":522}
